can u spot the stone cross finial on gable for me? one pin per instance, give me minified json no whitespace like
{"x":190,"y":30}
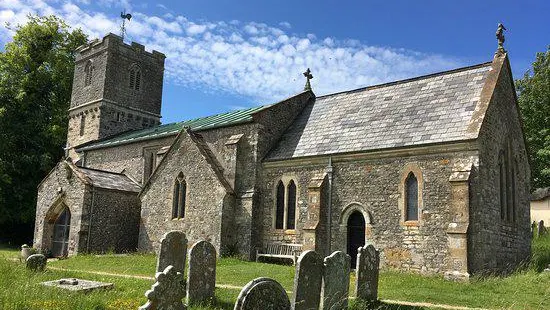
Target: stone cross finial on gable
{"x":500,"y":38}
{"x":308,"y":76}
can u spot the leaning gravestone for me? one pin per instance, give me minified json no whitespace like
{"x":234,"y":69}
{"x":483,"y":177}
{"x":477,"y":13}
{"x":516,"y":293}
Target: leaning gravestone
{"x":173,"y":250}
{"x":540,"y":230}
{"x":168,"y":291}
{"x":307,"y":281}
{"x":262,"y":293}
{"x":36,"y":262}
{"x":201,"y":275}
{"x":368,"y":264}
{"x":336,"y":281}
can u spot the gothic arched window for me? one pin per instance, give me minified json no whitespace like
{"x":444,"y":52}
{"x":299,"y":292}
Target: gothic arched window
{"x":88,"y":72}
{"x":411,"y":198}
{"x":135,"y":77}
{"x":178,"y":202}
{"x":285,"y":204}
{"x":280,"y":206}
{"x":291,"y":206}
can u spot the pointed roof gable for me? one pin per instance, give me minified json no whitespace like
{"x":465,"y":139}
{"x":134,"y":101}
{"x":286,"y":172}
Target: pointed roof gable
{"x":424,"y":110}
{"x":205,"y":151}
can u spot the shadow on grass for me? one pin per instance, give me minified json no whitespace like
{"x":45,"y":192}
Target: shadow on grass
{"x":378,"y":305}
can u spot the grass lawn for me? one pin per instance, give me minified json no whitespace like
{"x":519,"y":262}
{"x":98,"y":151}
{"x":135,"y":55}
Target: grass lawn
{"x":19,"y":288}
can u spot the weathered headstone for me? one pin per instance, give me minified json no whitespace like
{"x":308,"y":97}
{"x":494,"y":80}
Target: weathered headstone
{"x":540,"y":230}
{"x":25,"y":252}
{"x":173,"y":250}
{"x":168,"y":291}
{"x":307,"y":281}
{"x":78,"y":285}
{"x":36,"y":262}
{"x":336,"y":281}
{"x":201,"y":275}
{"x":262,"y":293}
{"x":368,"y":264}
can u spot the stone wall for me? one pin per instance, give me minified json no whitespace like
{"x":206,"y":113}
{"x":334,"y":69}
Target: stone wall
{"x":370,"y":183}
{"x":60,"y":188}
{"x":128,"y":157}
{"x":108,"y":106}
{"x":498,"y":245}
{"x":114,"y":221}
{"x":205,"y":197}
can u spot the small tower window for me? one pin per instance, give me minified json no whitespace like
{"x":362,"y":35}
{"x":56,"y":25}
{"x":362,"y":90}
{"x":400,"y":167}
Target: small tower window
{"x":82,"y":124}
{"x":88,"y":72}
{"x":411,"y":197}
{"x":180,"y":190}
{"x":135,"y":77}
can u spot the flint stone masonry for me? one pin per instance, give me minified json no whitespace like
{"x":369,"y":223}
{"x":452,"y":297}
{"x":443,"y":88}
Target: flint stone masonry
{"x":262,"y":293}
{"x":201,"y":275}
{"x":172,"y":252}
{"x":36,"y":262}
{"x":367,"y":271}
{"x":78,"y":285}
{"x":167,"y":292}
{"x":307,"y":281}
{"x":347,"y":152}
{"x":336,"y":281}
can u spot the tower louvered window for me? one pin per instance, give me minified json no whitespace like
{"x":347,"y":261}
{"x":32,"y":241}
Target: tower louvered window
{"x":88,"y":72}
{"x":135,"y":78}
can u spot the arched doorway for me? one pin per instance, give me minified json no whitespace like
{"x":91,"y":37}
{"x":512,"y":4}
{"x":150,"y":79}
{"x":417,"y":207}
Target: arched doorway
{"x":356,"y":235}
{"x":60,"y":242}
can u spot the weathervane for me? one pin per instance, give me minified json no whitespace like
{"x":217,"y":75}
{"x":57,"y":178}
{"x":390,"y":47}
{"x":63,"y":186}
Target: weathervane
{"x":500,"y":38}
{"x":124,"y":17}
{"x":308,"y":76}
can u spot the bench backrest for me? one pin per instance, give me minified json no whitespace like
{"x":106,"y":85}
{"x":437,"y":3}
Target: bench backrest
{"x":283,"y":248}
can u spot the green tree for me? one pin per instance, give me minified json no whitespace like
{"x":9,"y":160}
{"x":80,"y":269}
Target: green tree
{"x":534,"y":103}
{"x":36,"y":73}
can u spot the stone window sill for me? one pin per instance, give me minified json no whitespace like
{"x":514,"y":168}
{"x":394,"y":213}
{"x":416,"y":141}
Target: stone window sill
{"x":285,"y":231}
{"x":411,"y":223}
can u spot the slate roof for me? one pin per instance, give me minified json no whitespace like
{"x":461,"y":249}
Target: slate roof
{"x":429,"y":109}
{"x":208,"y":122}
{"x":540,"y":193}
{"x":110,"y":180}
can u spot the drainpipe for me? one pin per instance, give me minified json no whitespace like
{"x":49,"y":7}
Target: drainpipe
{"x":90,"y":222}
{"x":329,"y":205}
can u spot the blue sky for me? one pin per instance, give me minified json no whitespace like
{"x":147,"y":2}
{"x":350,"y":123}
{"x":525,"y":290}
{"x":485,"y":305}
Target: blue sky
{"x":226,"y":55}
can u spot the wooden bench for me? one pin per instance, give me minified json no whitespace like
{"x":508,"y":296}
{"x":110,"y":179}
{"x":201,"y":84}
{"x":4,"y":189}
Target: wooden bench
{"x":280,"y":250}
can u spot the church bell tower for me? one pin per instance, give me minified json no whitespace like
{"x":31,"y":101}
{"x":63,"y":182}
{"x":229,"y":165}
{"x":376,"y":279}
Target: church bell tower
{"x":117,"y":87}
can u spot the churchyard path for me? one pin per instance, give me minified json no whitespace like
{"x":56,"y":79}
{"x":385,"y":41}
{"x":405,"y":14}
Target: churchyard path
{"x":228,"y":286}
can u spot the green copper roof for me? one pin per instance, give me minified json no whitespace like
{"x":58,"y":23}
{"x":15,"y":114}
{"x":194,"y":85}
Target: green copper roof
{"x":208,"y":122}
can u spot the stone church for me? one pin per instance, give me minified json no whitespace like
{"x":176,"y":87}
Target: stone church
{"x":432,"y":170}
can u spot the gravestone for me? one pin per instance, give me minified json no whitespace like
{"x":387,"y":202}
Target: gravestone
{"x":25,"y":252}
{"x":307,"y":281}
{"x":78,"y":285}
{"x":173,"y":250}
{"x":540,"y":230}
{"x":336,"y":281}
{"x":167,"y":292}
{"x":368,"y":264}
{"x":36,"y":262}
{"x":262,"y":293}
{"x":201,"y":275}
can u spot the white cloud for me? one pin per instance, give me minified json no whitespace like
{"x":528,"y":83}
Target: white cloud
{"x":253,"y":59}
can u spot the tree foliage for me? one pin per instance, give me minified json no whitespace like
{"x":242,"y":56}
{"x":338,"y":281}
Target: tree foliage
{"x":36,"y":73}
{"x":534,"y":103}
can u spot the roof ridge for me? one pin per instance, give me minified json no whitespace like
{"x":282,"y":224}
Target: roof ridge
{"x":99,"y":170}
{"x":416,"y":78}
